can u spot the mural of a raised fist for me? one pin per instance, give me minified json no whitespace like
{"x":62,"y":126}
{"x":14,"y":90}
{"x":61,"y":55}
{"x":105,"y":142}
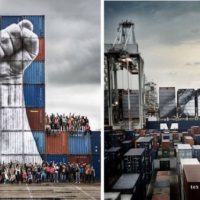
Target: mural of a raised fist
{"x":19,"y":46}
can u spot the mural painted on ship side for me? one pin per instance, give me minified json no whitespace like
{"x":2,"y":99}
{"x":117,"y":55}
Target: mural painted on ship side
{"x":19,"y":48}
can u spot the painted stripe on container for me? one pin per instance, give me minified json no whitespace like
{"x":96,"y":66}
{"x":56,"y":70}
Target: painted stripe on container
{"x":79,"y":144}
{"x":80,"y":159}
{"x":40,"y":141}
{"x":34,"y":74}
{"x":96,"y":142}
{"x":57,"y":158}
{"x":34,"y":95}
{"x":96,"y":163}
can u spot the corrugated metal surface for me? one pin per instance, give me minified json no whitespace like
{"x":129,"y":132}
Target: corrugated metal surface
{"x":191,"y":182}
{"x":34,"y":95}
{"x":96,"y":163}
{"x":40,"y":141}
{"x":96,"y":142}
{"x":36,"y":119}
{"x":8,"y":20}
{"x":20,"y":158}
{"x":167,"y":105}
{"x":38,"y":24}
{"x":37,"y":21}
{"x":57,"y":158}
{"x":79,"y":144}
{"x":57,"y":143}
{"x":11,"y":114}
{"x":80,"y":159}
{"x":11,"y":95}
{"x":41,"y":54}
{"x":34,"y":74}
{"x":18,"y":143}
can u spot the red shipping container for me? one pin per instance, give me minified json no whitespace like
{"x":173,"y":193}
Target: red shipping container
{"x":36,"y":118}
{"x":57,"y":143}
{"x":41,"y":54}
{"x":80,"y":159}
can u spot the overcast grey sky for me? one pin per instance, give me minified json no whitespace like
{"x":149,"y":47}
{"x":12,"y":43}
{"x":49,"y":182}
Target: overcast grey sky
{"x":168,"y":34}
{"x":72,"y":31}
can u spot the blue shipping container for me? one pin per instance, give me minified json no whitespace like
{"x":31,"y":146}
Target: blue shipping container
{"x":96,"y":142}
{"x":37,"y":21}
{"x":8,"y":20}
{"x":34,"y":74}
{"x":57,"y":158}
{"x":79,"y":144}
{"x":34,"y":95}
{"x":40,"y":141}
{"x":96,"y":163}
{"x":38,"y":24}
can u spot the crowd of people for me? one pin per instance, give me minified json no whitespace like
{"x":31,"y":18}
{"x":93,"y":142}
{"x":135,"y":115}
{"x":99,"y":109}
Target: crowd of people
{"x":70,"y":123}
{"x":47,"y":172}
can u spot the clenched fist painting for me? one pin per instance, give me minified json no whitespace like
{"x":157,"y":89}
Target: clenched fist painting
{"x":21,"y":88}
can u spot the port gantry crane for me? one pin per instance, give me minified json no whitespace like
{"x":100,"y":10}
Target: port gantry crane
{"x":123,"y":54}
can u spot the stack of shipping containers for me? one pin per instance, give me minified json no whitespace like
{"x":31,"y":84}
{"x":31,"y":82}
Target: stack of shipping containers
{"x":24,"y":101}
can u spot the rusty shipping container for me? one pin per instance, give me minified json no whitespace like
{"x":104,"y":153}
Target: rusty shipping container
{"x":80,"y":159}
{"x":36,"y":118}
{"x":56,"y":143}
{"x":191,"y":175}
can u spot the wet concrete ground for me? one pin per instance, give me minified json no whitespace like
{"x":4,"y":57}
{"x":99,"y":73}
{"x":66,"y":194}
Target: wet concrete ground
{"x":50,"y":191}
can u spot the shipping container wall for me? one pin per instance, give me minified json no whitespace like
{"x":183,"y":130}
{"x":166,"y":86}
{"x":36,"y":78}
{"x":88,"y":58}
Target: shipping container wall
{"x":167,"y":105}
{"x":34,"y":74}
{"x":79,"y":143}
{"x":37,"y":21}
{"x":36,"y":119}
{"x":40,"y":141}
{"x":41,"y":54}
{"x":34,"y":95}
{"x":96,"y":142}
{"x":80,"y":159}
{"x":96,"y":163}
{"x":57,"y":158}
{"x":18,"y":143}
{"x":20,"y":158}
{"x":186,"y":102}
{"x":57,"y":143}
